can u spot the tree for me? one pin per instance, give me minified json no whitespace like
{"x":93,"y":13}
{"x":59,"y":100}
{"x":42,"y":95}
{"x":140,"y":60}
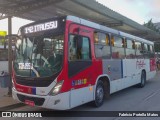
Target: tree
{"x":152,"y":26}
{"x":157,"y":47}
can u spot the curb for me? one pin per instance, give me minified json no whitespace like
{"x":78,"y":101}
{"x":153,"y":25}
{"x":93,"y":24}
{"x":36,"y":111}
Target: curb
{"x":13,"y":106}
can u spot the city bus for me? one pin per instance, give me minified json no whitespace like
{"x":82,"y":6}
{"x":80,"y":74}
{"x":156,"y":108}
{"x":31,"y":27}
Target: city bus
{"x":64,"y":62}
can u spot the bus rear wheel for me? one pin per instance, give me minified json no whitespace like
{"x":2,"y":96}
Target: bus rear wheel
{"x":99,"y":94}
{"x":143,"y":80}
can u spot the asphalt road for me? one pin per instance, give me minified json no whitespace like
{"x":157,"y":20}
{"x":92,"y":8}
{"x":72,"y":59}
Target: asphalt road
{"x":130,"y":99}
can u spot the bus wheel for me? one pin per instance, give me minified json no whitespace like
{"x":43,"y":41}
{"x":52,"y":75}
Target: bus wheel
{"x":143,"y":80}
{"x":99,"y":94}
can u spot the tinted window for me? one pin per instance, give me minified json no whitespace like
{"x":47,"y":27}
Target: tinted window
{"x":79,"y":48}
{"x":145,"y":47}
{"x":102,"y":46}
{"x":130,"y":49}
{"x":139,"y":52}
{"x":151,"y":51}
{"x":146,"y":50}
{"x":117,"y":47}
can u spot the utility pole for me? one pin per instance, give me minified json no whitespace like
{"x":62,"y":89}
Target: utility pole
{"x":10,"y":53}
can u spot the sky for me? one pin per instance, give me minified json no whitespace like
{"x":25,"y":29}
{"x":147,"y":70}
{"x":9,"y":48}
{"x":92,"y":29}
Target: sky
{"x":139,"y":11}
{"x":16,"y":24}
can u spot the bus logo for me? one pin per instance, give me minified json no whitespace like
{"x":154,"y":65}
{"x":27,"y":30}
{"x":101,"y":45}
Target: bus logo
{"x":140,"y":64}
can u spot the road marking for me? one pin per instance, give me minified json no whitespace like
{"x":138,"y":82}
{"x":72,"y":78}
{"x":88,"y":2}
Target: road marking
{"x":151,"y":95}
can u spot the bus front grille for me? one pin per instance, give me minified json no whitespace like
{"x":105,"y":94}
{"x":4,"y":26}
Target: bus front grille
{"x":37,"y":101}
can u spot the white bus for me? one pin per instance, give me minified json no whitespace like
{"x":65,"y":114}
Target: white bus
{"x":64,"y":62}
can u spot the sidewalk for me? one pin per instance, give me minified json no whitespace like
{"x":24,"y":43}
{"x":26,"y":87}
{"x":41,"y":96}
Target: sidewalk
{"x":5,"y":100}
{"x":158,"y":74}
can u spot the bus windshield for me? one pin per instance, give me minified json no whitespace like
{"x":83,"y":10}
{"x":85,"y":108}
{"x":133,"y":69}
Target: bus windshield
{"x":39,"y":56}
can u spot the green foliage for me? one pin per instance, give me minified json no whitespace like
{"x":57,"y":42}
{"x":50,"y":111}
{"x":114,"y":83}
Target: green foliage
{"x":152,"y":26}
{"x":157,"y":47}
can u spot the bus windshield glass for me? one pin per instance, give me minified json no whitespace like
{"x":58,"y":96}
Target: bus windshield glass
{"x":39,"y":56}
{"x":39,"y":48}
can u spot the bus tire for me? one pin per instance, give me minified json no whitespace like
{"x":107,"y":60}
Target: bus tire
{"x":143,"y":79}
{"x":99,"y":94}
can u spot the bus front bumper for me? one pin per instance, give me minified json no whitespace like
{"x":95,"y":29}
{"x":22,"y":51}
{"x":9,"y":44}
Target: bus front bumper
{"x":57,"y":102}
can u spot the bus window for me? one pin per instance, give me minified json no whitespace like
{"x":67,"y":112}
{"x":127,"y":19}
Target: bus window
{"x":148,"y":47}
{"x":102,"y":47}
{"x":130,"y":49}
{"x":95,"y":37}
{"x":79,"y":48}
{"x":151,"y":51}
{"x":107,"y":40}
{"x":117,"y":49}
{"x":151,"y":48}
{"x":72,"y":47}
{"x":85,"y":48}
{"x":112,"y":41}
{"x":145,"y":47}
{"x":146,"y":50}
{"x":139,"y":52}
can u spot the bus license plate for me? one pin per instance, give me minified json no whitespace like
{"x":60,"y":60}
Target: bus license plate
{"x":29,"y":102}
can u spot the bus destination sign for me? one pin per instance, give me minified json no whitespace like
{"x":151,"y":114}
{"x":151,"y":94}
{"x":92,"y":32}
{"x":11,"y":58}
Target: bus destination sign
{"x":41,"y":27}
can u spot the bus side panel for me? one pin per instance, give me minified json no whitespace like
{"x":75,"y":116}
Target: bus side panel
{"x":114,"y":69}
{"x":152,"y":71}
{"x":128,"y":73}
{"x":133,"y":72}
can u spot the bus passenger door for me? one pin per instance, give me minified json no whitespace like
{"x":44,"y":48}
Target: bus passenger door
{"x":80,"y":68}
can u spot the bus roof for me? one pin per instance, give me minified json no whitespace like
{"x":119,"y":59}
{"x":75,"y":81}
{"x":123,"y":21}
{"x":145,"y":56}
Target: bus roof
{"x":94,"y":25}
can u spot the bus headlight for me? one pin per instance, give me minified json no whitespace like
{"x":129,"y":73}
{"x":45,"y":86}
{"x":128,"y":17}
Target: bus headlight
{"x":57,"y":88}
